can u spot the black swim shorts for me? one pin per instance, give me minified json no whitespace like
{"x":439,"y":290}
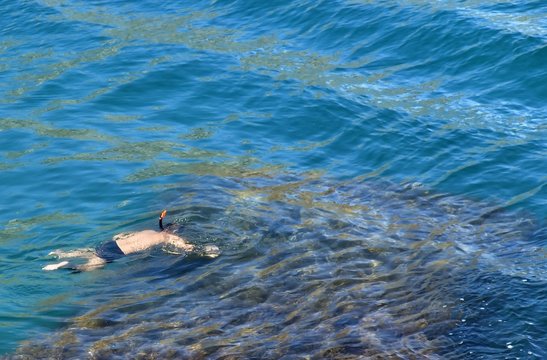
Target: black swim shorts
{"x":109,"y":251}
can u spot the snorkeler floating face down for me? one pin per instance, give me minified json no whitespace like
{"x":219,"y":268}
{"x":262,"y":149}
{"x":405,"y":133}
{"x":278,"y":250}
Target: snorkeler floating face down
{"x":125,"y":244}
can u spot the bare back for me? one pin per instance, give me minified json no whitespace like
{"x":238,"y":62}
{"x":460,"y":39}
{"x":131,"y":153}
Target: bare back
{"x":138,"y":241}
{"x":142,"y":240}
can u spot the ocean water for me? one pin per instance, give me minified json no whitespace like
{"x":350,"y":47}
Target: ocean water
{"x":374,"y":174}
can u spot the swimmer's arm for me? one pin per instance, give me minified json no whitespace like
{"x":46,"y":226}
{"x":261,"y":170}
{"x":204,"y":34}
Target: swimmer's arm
{"x":178,"y":242}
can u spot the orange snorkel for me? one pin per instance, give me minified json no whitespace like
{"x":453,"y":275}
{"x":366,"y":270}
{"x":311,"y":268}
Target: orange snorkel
{"x":162,"y":215}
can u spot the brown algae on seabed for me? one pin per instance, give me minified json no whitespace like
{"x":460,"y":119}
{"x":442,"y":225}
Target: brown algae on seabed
{"x":310,"y":267}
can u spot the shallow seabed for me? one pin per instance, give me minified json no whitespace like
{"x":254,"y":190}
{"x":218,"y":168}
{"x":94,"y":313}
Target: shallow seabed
{"x":311,"y":267}
{"x":320,"y":268}
{"x":373,"y":173}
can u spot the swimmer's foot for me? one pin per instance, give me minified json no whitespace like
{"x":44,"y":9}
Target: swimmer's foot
{"x":51,"y":267}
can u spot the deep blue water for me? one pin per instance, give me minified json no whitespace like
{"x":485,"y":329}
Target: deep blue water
{"x":373,"y":172}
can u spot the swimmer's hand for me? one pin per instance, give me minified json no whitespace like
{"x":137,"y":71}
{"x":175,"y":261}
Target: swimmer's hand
{"x":211,"y":251}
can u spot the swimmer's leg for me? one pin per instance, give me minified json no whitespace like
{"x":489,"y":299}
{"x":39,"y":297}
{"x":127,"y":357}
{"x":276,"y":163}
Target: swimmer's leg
{"x":83,"y":253}
{"x":72,"y":254}
{"x":93,"y":263}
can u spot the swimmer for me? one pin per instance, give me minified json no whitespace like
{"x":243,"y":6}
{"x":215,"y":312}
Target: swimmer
{"x":125,"y":244}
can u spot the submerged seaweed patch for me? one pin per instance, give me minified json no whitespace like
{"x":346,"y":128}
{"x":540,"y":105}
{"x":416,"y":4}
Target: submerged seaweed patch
{"x":323,"y":268}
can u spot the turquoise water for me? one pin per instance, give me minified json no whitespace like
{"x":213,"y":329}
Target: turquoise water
{"x":373,"y":173}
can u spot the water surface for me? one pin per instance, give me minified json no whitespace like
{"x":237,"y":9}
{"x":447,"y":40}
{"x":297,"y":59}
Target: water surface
{"x":374,"y":174}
